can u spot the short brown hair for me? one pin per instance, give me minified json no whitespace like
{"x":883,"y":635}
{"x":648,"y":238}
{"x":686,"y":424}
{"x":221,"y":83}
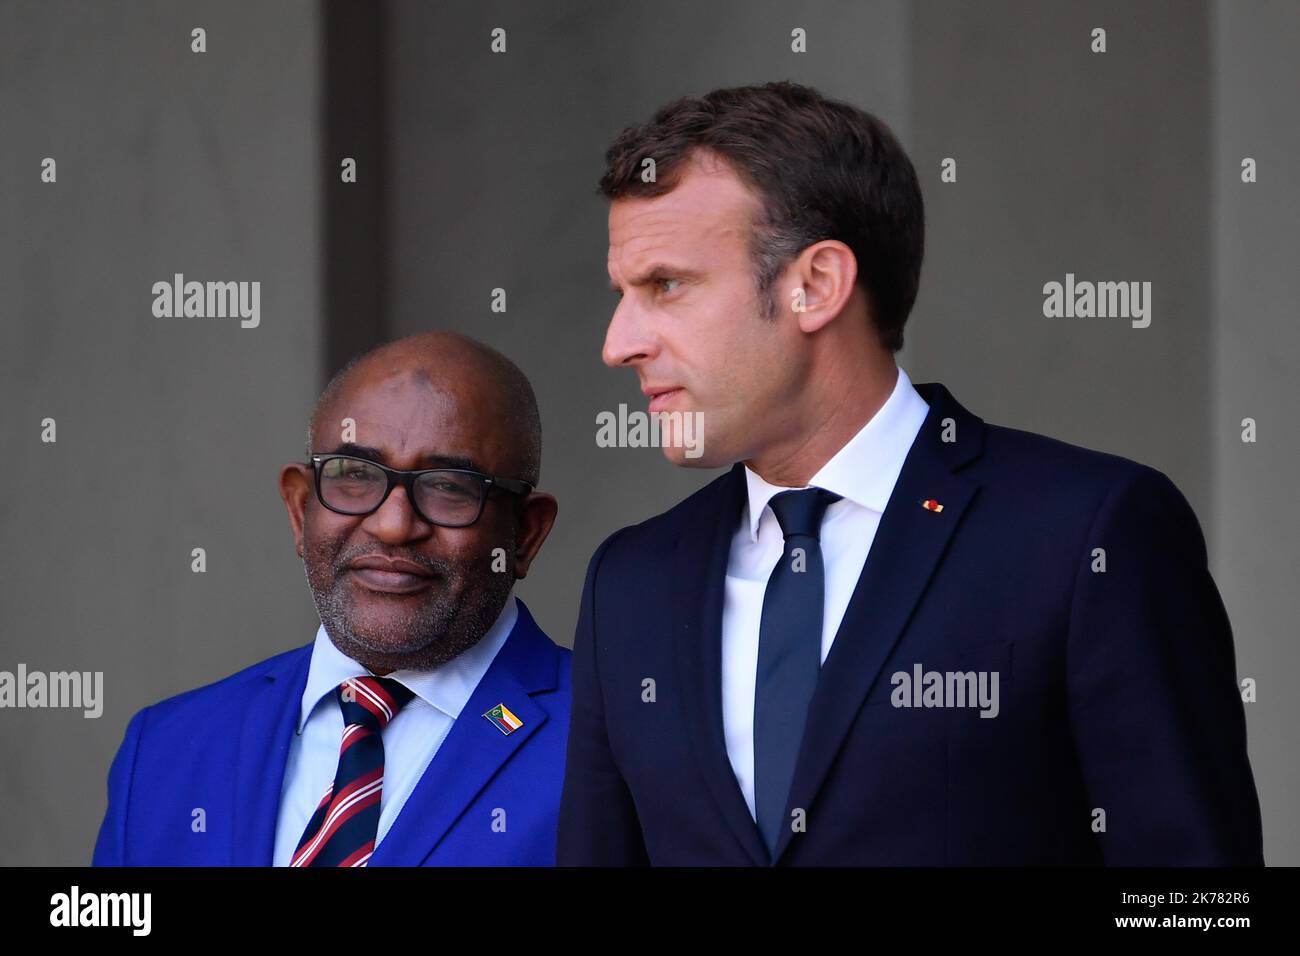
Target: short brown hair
{"x":822,"y":169}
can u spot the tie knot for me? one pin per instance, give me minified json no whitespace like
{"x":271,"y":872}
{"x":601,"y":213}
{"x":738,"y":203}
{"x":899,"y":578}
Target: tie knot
{"x":800,"y":512}
{"x":372,"y":701}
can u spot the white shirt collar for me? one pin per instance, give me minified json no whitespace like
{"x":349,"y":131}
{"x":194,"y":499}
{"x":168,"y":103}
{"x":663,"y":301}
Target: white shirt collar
{"x":865,"y":470}
{"x":447,"y":688}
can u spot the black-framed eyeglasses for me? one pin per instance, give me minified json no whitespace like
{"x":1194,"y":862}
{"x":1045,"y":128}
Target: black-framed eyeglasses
{"x":450,"y":497}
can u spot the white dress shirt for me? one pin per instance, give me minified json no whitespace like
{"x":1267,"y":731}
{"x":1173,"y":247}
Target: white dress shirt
{"x":410,"y":740}
{"x":863,"y":473}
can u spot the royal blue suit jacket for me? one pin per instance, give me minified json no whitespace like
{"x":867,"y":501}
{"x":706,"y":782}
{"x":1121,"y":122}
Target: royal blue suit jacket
{"x":223,"y":748}
{"x":1121,"y":737}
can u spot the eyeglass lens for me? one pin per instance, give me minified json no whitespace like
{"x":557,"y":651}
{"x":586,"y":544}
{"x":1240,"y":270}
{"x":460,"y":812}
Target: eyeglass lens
{"x":355,"y":486}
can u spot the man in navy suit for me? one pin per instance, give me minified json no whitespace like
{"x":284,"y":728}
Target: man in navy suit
{"x":891,"y":634}
{"x":426,"y":722}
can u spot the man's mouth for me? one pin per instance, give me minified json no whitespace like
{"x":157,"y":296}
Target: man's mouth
{"x":660,"y":396}
{"x":391,"y":575}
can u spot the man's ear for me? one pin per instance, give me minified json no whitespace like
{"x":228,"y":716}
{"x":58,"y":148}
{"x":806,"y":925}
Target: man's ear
{"x":535,"y":523}
{"x":296,"y":491}
{"x":825,"y":275}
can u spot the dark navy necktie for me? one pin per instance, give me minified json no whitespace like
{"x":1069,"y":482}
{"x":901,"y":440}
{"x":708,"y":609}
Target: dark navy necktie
{"x":789,"y":653}
{"x":342,"y":831}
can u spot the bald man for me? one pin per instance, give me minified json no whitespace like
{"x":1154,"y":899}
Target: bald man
{"x":425,"y":724}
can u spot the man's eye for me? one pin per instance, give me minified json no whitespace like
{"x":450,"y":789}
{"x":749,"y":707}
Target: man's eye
{"x":663,"y":284}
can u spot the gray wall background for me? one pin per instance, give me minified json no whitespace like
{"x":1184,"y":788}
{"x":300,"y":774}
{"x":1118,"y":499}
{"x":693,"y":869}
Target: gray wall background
{"x":1122,"y":166}
{"x":170,"y":431}
{"x":1251,"y":527}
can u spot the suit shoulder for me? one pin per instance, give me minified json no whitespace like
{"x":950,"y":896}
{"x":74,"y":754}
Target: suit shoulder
{"x":537,"y":659}
{"x":563,"y":664}
{"x":664,"y":527}
{"x":1054,"y":480}
{"x":550,"y":649}
{"x":1045,"y":464}
{"x":218,"y":693}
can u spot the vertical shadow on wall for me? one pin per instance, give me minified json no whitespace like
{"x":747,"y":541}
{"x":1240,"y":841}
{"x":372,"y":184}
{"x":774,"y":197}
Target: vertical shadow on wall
{"x":353,"y":124}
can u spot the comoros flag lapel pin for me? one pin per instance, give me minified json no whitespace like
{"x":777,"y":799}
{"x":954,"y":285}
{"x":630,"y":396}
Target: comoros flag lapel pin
{"x":503,"y":720}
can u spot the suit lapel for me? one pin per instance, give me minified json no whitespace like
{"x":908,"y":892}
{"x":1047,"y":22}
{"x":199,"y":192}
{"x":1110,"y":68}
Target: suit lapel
{"x":474,"y":748}
{"x":700,"y":568}
{"x":909,"y":543}
{"x":266,"y":725}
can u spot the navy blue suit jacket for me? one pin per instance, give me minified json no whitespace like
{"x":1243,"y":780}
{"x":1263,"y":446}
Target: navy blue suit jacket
{"x":1121,"y":736}
{"x":222,"y":749}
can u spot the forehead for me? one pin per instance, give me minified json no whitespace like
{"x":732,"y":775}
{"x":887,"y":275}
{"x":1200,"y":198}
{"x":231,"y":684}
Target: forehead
{"x":412,"y":411}
{"x":709,"y":210}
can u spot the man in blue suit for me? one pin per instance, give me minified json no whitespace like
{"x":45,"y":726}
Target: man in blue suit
{"x":891,"y":634}
{"x":425,"y":724}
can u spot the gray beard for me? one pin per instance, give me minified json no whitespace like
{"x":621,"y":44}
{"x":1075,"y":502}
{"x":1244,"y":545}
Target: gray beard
{"x":426,"y":638}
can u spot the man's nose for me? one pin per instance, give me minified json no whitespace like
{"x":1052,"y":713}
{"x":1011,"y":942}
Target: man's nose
{"x":396,"y":521}
{"x":629,"y":339}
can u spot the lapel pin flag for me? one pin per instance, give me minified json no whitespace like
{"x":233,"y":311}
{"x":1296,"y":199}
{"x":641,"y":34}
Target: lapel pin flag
{"x":503,"y":720}
{"x":929,"y":504}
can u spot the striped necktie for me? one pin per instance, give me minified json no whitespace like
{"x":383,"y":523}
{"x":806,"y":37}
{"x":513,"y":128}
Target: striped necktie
{"x":342,"y":830}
